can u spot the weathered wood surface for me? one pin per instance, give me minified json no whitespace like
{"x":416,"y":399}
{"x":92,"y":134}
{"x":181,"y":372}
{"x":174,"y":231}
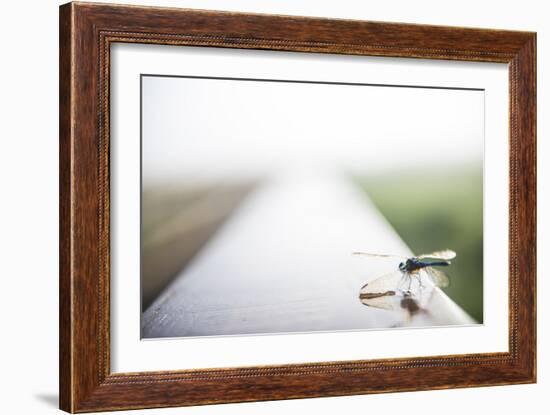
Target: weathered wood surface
{"x":283,"y":263}
{"x":177,"y":222}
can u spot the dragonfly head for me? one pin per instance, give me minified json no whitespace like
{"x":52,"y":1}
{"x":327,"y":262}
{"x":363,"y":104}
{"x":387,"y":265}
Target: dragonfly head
{"x":402,"y":266}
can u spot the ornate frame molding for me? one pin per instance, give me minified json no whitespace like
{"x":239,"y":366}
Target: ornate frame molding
{"x":86,"y":33}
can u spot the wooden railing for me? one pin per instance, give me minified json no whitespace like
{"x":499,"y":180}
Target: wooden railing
{"x":283,"y":263}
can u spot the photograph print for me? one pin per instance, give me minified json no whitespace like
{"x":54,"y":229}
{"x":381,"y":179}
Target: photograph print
{"x":276,"y":206}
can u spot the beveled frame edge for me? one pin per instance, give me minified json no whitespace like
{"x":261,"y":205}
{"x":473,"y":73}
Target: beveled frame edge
{"x":87,"y":31}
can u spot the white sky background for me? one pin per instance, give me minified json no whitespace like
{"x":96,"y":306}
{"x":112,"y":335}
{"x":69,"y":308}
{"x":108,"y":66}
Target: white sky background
{"x":209,"y":129}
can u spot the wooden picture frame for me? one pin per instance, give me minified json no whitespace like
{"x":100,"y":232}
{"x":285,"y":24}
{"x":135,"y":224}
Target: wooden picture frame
{"x":86,"y":33}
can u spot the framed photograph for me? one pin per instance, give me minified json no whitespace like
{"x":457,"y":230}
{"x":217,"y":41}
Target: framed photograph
{"x":258,"y":207}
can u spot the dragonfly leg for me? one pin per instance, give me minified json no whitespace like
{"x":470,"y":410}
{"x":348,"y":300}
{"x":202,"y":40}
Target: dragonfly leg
{"x":405,"y":277}
{"x":401,"y":281}
{"x":420,"y":285}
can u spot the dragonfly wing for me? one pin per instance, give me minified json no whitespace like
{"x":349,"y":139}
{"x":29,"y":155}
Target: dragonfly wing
{"x":439,"y":278}
{"x":385,"y":301}
{"x":383,"y":292}
{"x":446,"y":254}
{"x":380,"y":255}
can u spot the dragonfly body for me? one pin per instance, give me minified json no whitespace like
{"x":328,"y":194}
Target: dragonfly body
{"x":383,"y":292}
{"x":414,"y":264}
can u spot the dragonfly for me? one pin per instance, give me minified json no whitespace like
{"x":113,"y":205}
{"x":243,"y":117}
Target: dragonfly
{"x":389,"y":290}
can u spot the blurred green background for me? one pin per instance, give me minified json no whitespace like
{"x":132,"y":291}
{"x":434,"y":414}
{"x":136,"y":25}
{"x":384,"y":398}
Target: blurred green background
{"x":437,"y":209}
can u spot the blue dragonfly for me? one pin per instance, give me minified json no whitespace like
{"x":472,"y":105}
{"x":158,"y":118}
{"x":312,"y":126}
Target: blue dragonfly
{"x":408,"y":280}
